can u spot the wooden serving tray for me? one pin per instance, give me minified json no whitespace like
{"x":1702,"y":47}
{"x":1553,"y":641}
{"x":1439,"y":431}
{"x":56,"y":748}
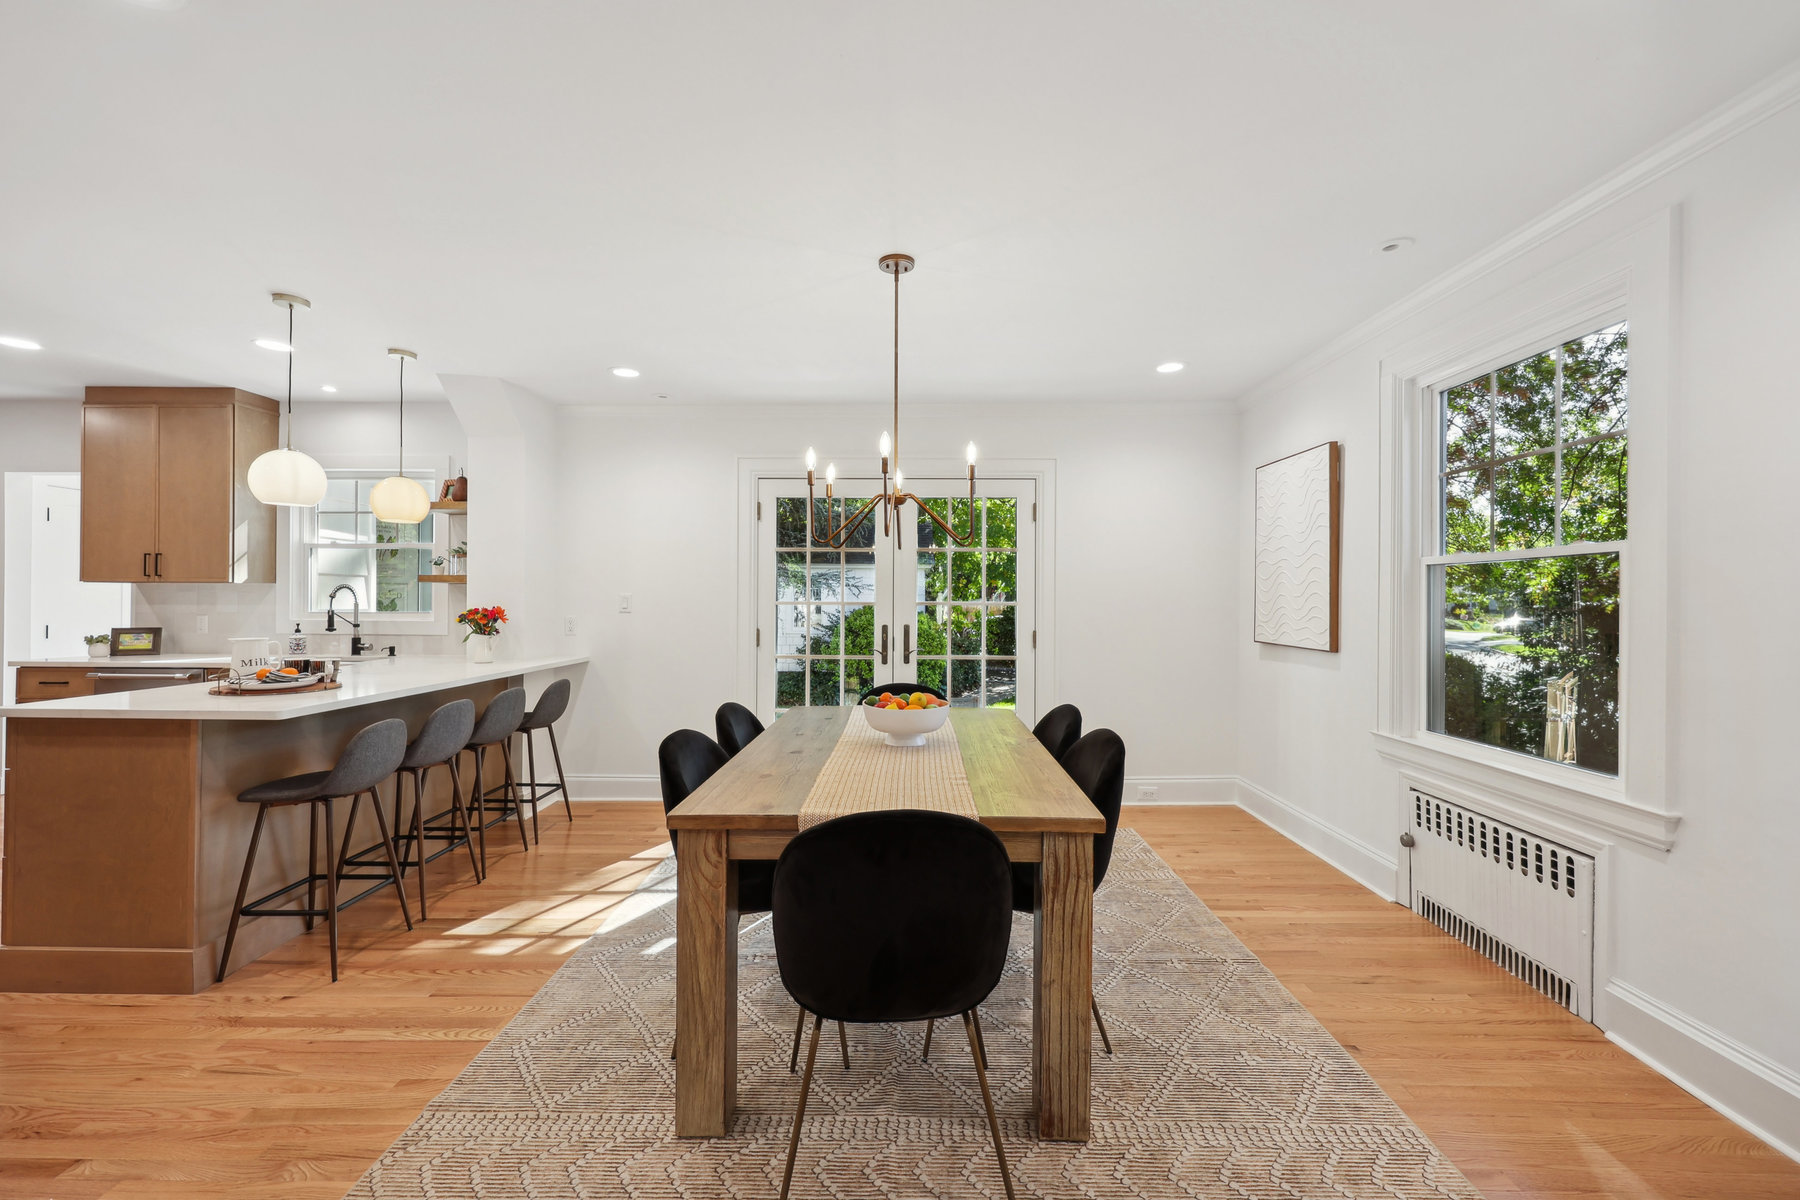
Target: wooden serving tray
{"x":227,"y":689}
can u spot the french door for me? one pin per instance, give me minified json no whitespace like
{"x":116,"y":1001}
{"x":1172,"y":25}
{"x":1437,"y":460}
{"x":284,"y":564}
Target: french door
{"x":903,"y":605}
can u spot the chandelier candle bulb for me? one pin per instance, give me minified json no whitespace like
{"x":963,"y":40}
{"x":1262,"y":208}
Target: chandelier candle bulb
{"x":830,"y":474}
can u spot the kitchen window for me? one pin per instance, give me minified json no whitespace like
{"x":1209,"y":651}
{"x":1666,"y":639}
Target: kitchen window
{"x":1525,"y":608}
{"x":344,"y":543}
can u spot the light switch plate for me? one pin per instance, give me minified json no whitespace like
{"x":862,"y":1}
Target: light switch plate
{"x":624,"y":601}
{"x":569,"y":626}
{"x":200,"y":624}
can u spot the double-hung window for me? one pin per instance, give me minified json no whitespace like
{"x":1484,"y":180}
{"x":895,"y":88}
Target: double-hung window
{"x":1525,"y":598}
{"x":345,"y":544}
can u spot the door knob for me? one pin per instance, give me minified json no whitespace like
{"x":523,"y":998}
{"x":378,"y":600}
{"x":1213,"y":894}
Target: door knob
{"x":906,"y":644}
{"x":884,"y":645}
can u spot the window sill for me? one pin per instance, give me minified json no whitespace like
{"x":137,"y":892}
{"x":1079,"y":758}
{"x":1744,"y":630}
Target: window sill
{"x":1593,"y":808}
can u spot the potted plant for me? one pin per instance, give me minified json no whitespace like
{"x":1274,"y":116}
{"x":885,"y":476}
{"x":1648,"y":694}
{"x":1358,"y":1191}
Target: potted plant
{"x":99,"y":644}
{"x":484,"y":626}
{"x":458,"y":561}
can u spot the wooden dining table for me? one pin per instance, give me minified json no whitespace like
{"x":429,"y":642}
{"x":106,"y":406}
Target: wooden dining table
{"x":751,"y":808}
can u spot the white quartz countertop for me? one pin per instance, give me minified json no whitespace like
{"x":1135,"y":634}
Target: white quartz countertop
{"x":141,"y":661}
{"x":366,"y":682}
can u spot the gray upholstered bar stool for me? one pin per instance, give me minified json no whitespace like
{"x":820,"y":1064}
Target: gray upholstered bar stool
{"x":439,"y":744}
{"x":372,"y":755}
{"x":552,"y":703}
{"x":496,"y":728}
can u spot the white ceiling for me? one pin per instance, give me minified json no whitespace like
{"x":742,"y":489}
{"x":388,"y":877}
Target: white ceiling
{"x":546,"y":189}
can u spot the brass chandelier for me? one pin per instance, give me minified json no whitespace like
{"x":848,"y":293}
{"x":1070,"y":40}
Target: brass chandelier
{"x":891,"y":498}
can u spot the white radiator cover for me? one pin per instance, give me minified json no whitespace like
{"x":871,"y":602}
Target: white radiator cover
{"x":1515,"y":896}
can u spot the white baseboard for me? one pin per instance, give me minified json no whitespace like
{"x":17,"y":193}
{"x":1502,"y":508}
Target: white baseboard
{"x":1182,"y":789}
{"x":1756,"y":1092}
{"x":615,"y":787}
{"x":1378,"y":872}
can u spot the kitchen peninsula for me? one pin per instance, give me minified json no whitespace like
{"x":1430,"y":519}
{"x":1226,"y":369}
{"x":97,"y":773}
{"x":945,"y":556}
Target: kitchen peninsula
{"x":124,"y":838}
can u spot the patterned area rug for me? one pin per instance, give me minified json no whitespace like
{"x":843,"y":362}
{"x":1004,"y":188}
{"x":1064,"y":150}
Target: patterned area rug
{"x":1222,"y":1085}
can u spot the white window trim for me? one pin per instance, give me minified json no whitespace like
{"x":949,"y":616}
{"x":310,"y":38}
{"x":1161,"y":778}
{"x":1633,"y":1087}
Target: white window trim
{"x":293,"y":564}
{"x":1630,"y":277}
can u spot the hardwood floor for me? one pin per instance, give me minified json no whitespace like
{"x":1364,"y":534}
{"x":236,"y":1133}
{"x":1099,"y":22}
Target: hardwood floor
{"x":280,"y":1084}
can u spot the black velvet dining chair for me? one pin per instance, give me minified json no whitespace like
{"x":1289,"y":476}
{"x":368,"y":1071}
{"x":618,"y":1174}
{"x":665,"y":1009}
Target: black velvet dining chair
{"x":893,"y":916}
{"x":875,"y":689}
{"x":686,"y":759}
{"x":737,"y":727}
{"x":1059,"y":729}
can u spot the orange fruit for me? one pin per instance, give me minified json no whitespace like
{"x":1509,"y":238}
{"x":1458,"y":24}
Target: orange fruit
{"x":262,"y":672}
{"x":886,"y":696}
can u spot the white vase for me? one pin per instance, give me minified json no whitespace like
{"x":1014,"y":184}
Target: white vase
{"x":481,"y":649}
{"x":99,"y":650}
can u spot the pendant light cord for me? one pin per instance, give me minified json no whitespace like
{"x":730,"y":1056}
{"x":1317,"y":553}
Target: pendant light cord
{"x":402,"y":469}
{"x":896,"y":376}
{"x":290,"y":404}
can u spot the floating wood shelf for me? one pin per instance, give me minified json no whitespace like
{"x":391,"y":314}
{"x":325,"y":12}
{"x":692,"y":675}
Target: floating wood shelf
{"x":450,"y":506}
{"x":443,"y":579}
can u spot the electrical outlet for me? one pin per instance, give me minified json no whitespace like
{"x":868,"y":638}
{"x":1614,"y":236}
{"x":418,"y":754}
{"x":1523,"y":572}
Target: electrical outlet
{"x":569,"y":626}
{"x":1147,"y":791}
{"x":200,"y":624}
{"x":624,"y":601}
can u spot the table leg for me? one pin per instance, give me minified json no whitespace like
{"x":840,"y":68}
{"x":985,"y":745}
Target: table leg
{"x":706,"y":922}
{"x":1063,"y":975}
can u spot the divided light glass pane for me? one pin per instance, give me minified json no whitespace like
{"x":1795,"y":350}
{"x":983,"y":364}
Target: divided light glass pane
{"x":1002,"y":683}
{"x":965,"y":575}
{"x":790,"y":521}
{"x":827,"y":620}
{"x":340,"y":496}
{"x":934,"y":575}
{"x":859,"y":673}
{"x":397,"y":586}
{"x":1594,"y":487}
{"x":1468,"y":424}
{"x":1531,"y":657}
{"x":345,"y":527}
{"x":865,"y":533}
{"x":1525,"y":405}
{"x":1002,"y":635}
{"x":965,"y":630}
{"x":790,"y":682}
{"x":859,"y":575}
{"x":932,"y":672}
{"x":965,"y":682}
{"x":827,"y":575}
{"x":929,"y":533}
{"x":1002,"y":522}
{"x":790,"y":575}
{"x":859,"y":629}
{"x":1468,"y":508}
{"x":1002,"y":575}
{"x":1594,"y":383}
{"x":1525,"y":502}
{"x":790,"y":629}
{"x":824,"y":674}
{"x":929,"y":630}
{"x":958,"y":516}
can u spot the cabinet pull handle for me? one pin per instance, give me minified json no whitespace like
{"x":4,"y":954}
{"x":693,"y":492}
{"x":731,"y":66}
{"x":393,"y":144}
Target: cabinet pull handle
{"x":159,"y":564}
{"x":53,"y":683}
{"x":146,"y":564}
{"x":884,"y":645}
{"x":906,"y":643}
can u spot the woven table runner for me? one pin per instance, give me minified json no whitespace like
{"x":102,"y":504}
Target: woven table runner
{"x":864,"y":774}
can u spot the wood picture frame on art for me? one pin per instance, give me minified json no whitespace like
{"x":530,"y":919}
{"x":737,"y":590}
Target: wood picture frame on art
{"x":139,"y":639}
{"x":1298,"y":524}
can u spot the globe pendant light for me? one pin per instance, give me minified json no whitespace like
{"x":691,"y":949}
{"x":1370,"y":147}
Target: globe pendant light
{"x":397,"y":499}
{"x":286,"y":476}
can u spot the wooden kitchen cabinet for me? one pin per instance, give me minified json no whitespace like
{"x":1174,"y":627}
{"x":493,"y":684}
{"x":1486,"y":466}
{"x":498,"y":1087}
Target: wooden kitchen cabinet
{"x":53,"y":683}
{"x":164,"y":482}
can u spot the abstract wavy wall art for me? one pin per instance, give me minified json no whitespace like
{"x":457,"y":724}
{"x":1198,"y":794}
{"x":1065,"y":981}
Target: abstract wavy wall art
{"x":1297,"y":550}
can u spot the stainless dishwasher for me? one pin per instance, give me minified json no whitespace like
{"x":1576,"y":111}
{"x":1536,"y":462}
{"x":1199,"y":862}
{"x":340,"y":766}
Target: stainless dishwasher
{"x":130,"y":679}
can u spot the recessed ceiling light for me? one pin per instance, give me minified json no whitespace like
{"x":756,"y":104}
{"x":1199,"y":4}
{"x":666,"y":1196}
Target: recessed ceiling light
{"x":326,"y":387}
{"x":272,"y":344}
{"x":19,"y":343}
{"x":625,"y":372}
{"x":662,"y":395}
{"x":1169,"y":368}
{"x":1393,"y":244}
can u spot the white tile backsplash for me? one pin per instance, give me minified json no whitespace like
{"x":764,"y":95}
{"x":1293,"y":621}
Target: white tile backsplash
{"x":247,"y":610}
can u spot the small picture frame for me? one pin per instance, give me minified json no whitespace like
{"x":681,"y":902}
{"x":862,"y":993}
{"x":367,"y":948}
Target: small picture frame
{"x":140,"y":639}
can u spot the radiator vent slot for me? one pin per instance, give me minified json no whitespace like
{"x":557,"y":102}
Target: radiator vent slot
{"x":1512,"y":895}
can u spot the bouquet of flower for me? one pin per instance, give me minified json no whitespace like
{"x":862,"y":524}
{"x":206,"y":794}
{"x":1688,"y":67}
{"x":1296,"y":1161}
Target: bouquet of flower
{"x":482,"y":622}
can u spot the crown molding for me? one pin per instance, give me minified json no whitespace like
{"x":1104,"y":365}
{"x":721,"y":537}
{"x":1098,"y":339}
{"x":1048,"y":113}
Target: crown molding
{"x":1748,"y":110}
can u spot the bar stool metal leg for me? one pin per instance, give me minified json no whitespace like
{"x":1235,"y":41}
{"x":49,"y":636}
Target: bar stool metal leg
{"x":458,"y":811}
{"x":476,"y":794}
{"x":512,"y":790}
{"x":312,"y":864}
{"x":418,"y":830}
{"x":393,"y":858}
{"x":563,"y":782}
{"x":331,"y":892}
{"x":262,"y":810}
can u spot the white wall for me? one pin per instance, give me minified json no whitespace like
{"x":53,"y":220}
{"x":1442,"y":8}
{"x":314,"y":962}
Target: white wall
{"x":1706,"y":959}
{"x":1145,"y":590}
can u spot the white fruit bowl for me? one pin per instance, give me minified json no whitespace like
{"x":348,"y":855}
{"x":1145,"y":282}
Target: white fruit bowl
{"x":905,"y":726}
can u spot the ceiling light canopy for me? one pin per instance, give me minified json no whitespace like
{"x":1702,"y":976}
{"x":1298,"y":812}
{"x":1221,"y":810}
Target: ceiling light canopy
{"x":1169,"y":368}
{"x":19,"y":343}
{"x":892,"y":497}
{"x":397,"y":499}
{"x":1393,"y":244}
{"x":286,"y":476}
{"x":326,"y":387}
